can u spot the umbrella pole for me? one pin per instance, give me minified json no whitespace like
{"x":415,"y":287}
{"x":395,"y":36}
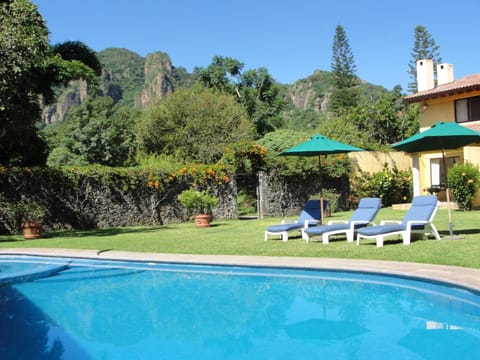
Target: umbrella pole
{"x":321,"y":188}
{"x":450,"y":223}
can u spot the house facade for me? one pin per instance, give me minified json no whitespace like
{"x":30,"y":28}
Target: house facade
{"x":448,"y":101}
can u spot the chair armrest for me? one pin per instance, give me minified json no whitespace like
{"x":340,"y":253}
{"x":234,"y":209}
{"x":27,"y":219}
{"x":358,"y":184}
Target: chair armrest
{"x":286,"y":221}
{"x":331,"y":222}
{"x":416,"y":222}
{"x":308,"y":223}
{"x":385,"y":222}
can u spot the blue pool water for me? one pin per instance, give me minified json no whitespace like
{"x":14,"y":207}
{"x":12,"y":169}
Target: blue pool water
{"x":90,"y":309}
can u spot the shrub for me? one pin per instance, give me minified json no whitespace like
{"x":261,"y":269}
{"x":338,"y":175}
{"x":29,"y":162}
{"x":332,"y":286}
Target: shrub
{"x":198,"y":202}
{"x":463,"y":181}
{"x":391,"y":185}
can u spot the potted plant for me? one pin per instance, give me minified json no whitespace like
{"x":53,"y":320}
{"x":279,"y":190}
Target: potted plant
{"x":32,"y":215}
{"x":199,"y":203}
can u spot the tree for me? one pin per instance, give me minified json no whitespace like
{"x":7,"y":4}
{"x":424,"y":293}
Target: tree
{"x":95,"y":132}
{"x":344,"y":72}
{"x":256,"y":90}
{"x":384,"y":122}
{"x":28,"y":69}
{"x":260,"y":96}
{"x":424,"y":48}
{"x":221,"y":73}
{"x":193,"y":124}
{"x":23,"y":47}
{"x":76,"y":50}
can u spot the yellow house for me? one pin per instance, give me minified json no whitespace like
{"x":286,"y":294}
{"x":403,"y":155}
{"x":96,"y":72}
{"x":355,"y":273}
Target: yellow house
{"x":449,"y":101}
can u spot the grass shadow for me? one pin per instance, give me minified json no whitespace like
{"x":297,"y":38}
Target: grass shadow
{"x":101,"y":232}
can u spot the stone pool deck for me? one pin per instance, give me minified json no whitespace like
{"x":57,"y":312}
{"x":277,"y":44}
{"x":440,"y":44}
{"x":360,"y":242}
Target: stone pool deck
{"x":460,"y":276}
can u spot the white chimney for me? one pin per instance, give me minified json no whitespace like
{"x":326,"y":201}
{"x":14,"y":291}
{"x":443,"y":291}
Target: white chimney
{"x":425,"y":80}
{"x":444,"y":73}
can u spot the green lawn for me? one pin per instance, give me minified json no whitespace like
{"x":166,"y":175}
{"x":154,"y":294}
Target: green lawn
{"x":245,"y":237}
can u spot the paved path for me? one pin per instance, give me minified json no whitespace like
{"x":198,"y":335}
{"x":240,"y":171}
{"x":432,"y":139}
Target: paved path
{"x":460,"y":276}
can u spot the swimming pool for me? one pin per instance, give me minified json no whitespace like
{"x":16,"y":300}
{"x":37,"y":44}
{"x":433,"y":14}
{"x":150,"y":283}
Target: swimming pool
{"x":96,"y":309}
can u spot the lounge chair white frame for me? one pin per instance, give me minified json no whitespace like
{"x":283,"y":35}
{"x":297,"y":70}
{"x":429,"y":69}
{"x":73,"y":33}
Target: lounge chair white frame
{"x":309,"y":216}
{"x":348,"y":227}
{"x":404,"y":227}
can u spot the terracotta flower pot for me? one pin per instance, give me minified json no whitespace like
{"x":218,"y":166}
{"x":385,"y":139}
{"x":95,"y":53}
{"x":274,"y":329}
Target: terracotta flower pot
{"x":32,"y":229}
{"x":202,"y":220}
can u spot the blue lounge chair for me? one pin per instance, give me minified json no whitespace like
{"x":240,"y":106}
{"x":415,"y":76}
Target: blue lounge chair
{"x":418,"y":218}
{"x":309,"y":216}
{"x":364,"y":214}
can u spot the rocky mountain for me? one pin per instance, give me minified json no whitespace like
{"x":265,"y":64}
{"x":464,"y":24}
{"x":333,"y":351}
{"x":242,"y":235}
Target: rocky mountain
{"x":132,"y":80}
{"x":128,"y":78}
{"x":311,"y":92}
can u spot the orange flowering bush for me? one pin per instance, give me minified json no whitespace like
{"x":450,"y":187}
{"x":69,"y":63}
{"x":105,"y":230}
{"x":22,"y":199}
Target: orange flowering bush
{"x":202,"y":174}
{"x":246,"y":157}
{"x":197,"y":174}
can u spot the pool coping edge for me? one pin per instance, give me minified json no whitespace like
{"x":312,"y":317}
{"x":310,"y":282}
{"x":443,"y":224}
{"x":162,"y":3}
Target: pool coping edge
{"x":459,"y":276}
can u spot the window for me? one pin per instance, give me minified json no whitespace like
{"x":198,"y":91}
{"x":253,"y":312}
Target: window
{"x":467,"y":109}
{"x":438,"y":174}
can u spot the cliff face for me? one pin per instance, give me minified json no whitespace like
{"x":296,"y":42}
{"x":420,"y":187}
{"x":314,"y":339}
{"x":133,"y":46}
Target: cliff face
{"x":72,"y":95}
{"x":127,"y":78}
{"x":311,"y":93}
{"x":159,"y":78}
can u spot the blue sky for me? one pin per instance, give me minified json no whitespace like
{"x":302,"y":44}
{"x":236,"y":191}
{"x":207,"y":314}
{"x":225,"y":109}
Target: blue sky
{"x":290,"y":38}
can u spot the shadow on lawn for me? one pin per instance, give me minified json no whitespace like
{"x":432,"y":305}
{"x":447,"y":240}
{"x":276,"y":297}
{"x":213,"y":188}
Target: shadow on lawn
{"x":110,"y":231}
{"x":101,"y":232}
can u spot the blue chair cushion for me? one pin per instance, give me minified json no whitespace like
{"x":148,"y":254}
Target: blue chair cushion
{"x":287,"y":227}
{"x":381,"y":229}
{"x":318,"y":230}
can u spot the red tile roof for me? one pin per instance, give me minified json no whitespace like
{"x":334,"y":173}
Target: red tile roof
{"x":465,"y":84}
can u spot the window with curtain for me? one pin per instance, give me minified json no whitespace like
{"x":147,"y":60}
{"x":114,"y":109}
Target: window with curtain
{"x":467,"y":109}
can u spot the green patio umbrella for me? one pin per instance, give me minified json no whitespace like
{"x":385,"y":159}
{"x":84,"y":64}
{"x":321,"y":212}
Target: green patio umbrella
{"x":441,"y":136}
{"x":319,"y":145}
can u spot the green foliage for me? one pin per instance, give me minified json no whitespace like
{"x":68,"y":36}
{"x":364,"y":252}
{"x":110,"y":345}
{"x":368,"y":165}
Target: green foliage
{"x":76,"y":50}
{"x":346,"y":130}
{"x":255,"y":90}
{"x":375,"y":125}
{"x":343,"y":61}
{"x":246,"y":157}
{"x":58,"y":71}
{"x":23,"y":50}
{"x":218,"y":74}
{"x":95,"y":132}
{"x":332,"y":197}
{"x":464,"y":181}
{"x":14,"y":213}
{"x":391,"y":185}
{"x":198,"y":202}
{"x":332,"y":166}
{"x":211,"y":175}
{"x":276,"y":142}
{"x":301,"y":119}
{"x":342,"y":99}
{"x":345,"y":94}
{"x":259,"y":94}
{"x":246,"y":203}
{"x":28,"y":68}
{"x":123,"y":75}
{"x":193,"y":125}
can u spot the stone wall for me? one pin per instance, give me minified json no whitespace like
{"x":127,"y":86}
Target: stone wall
{"x":286,"y":195}
{"x":85,"y":201}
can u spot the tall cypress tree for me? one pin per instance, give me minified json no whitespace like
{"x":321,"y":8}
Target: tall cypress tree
{"x":424,"y":48}
{"x":344,"y":72}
